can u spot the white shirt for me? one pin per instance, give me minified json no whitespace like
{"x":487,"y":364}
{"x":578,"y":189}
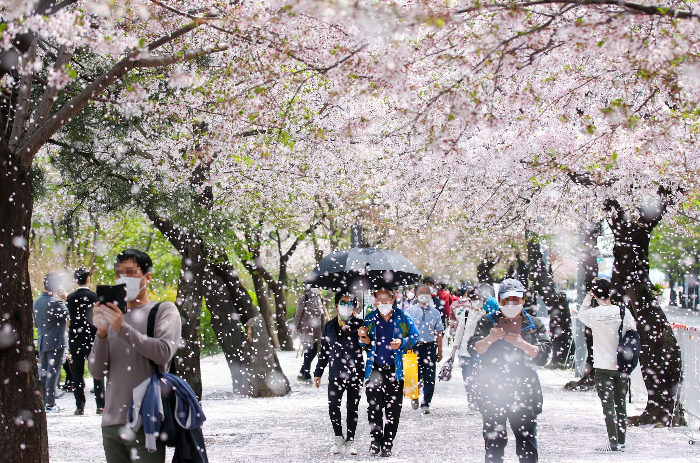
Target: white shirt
{"x":604,"y":321}
{"x":467,"y":320}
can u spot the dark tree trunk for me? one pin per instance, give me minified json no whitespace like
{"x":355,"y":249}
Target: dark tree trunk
{"x":255,"y":371}
{"x":660,"y":353}
{"x":283,"y":335}
{"x":190,"y":292}
{"x":673,"y":299}
{"x":559,"y":315}
{"x":264,"y":303}
{"x":23,"y":436}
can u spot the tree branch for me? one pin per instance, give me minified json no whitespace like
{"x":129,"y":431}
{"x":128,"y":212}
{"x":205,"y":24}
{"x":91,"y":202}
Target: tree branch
{"x":22,"y":105}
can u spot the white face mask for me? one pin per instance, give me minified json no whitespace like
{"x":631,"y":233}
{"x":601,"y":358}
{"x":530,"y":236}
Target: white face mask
{"x":410,"y":295}
{"x":133,"y":286}
{"x":478,"y":304}
{"x":424,"y":298}
{"x":315,"y":290}
{"x":512,"y":311}
{"x":345,"y":311}
{"x":384,"y":309}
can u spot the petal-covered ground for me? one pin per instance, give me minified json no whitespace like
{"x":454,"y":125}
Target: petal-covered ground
{"x":297,"y":428}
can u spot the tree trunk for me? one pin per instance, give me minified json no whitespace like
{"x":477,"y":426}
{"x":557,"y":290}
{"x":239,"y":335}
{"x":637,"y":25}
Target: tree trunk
{"x":559,"y":315}
{"x":264,"y":304}
{"x":660,"y":354}
{"x":587,"y":271}
{"x":23,"y":436}
{"x":189,"y":301}
{"x":255,"y":373}
{"x":283,"y":335}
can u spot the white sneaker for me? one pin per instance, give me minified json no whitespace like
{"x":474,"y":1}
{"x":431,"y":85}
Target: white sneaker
{"x":338,"y":445}
{"x":621,"y":447}
{"x":425,"y":409}
{"x":350,"y":448}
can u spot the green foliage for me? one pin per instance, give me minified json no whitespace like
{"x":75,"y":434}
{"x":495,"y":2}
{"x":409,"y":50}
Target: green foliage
{"x":209,"y":345}
{"x":676,"y":253}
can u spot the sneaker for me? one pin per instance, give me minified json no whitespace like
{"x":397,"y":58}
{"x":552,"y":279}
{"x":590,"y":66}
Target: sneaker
{"x":52,"y":408}
{"x":338,"y":444}
{"x":350,"y":447}
{"x":606,"y":448}
{"x":414,"y":404}
{"x":425,"y":409}
{"x":373,"y":449}
{"x":59,"y":394}
{"x":79,"y":411}
{"x":386,"y":453}
{"x":300,"y":377}
{"x":100,"y":411}
{"x":621,"y":447}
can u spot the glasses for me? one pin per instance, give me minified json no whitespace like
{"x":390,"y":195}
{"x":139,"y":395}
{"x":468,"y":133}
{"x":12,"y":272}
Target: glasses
{"x":347,"y":303}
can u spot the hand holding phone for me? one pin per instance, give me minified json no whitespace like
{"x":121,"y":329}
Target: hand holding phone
{"x":114,"y":294}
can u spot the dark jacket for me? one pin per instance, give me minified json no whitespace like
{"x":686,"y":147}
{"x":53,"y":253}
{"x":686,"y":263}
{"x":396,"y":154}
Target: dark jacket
{"x":507,"y":376}
{"x":81,"y":332}
{"x":50,"y":315}
{"x":341,"y":348}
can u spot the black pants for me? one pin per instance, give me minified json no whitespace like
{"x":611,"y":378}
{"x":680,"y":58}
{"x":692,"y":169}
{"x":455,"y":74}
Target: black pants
{"x":78,"y":362}
{"x":612,"y":390}
{"x":310,"y":351}
{"x":336,"y":388}
{"x":427,"y":358}
{"x":385,"y":397}
{"x":523,"y":423}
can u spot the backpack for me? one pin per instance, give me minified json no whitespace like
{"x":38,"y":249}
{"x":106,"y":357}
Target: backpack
{"x":189,"y":443}
{"x":628,"y":347}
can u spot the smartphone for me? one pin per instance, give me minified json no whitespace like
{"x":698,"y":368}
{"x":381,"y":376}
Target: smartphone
{"x":511,"y":325}
{"x":114,"y":294}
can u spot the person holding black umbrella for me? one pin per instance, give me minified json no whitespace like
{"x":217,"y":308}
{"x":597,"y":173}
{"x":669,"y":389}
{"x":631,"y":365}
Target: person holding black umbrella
{"x":341,"y":351}
{"x":388,"y":333}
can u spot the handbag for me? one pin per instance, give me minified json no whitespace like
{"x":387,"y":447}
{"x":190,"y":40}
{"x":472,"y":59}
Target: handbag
{"x":410,"y":375}
{"x":628,"y":347}
{"x":446,"y":370}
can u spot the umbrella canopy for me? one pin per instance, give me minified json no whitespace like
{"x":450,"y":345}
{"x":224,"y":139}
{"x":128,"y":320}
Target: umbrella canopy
{"x":358,"y":269}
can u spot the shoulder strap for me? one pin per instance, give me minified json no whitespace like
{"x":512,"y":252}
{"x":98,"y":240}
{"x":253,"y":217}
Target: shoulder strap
{"x":622,"y":322}
{"x":150,"y":330}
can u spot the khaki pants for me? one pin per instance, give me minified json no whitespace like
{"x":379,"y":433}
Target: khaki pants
{"x":124,"y":446}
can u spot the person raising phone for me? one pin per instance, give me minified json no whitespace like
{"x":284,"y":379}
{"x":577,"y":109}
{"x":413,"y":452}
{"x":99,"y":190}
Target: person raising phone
{"x":510,"y":345}
{"x":123,"y":351}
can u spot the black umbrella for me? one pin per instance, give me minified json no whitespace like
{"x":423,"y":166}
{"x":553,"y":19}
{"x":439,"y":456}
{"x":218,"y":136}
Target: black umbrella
{"x":358,"y":269}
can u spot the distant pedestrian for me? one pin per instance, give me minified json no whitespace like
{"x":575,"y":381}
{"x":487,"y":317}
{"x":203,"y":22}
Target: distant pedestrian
{"x":469,"y":310}
{"x":409,"y":298}
{"x":388,"y":334}
{"x":124,"y":353}
{"x":604,"y":321}
{"x":511,"y":345}
{"x":50,"y":316}
{"x":81,"y":336}
{"x":429,"y":346}
{"x":340,"y":348}
{"x":308,"y":322}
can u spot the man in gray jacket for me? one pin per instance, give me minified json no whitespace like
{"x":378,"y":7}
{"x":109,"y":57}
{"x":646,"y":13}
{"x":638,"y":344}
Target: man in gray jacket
{"x":50,"y":315}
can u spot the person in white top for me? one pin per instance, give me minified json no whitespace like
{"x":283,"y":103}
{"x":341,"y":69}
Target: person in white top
{"x":468,"y":310}
{"x":604,"y":320}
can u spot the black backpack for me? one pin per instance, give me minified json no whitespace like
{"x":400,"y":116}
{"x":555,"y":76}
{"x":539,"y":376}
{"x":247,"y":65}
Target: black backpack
{"x":628,"y":347}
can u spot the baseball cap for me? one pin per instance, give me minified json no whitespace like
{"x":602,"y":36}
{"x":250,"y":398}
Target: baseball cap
{"x":511,"y":287}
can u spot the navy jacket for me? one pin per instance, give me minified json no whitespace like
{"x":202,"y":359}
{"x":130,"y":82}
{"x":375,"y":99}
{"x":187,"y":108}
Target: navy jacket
{"x":341,"y":349}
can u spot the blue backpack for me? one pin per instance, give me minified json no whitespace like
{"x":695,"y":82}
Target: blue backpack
{"x":628,"y":348}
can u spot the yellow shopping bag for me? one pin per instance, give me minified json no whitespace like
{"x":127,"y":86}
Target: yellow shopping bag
{"x":410,"y":375}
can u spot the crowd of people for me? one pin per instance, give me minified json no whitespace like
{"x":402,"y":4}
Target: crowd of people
{"x":497,"y":344}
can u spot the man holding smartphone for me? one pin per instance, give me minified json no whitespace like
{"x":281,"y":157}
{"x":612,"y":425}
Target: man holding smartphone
{"x":511,"y":345}
{"x":123,"y":351}
{"x":388,"y":334}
